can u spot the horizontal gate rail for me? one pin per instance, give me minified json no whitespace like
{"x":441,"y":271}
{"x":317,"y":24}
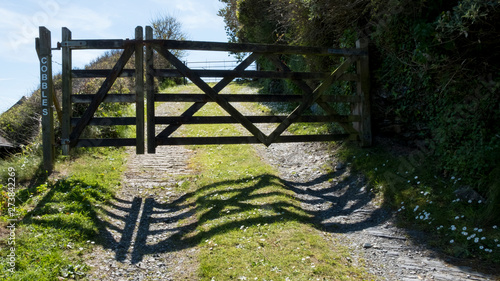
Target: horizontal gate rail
{"x":248,"y":139}
{"x":214,"y":46}
{"x":173,"y":73}
{"x":184,"y":120}
{"x":252,"y":98}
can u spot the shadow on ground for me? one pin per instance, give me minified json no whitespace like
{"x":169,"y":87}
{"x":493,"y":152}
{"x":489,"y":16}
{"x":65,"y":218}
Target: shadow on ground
{"x":158,"y":230}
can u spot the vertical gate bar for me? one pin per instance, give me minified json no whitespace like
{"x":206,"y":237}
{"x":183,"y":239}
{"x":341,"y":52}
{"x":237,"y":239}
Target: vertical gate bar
{"x":363,"y":90}
{"x":43,"y":45}
{"x":150,"y":93}
{"x":67,"y":90}
{"x":139,"y":90}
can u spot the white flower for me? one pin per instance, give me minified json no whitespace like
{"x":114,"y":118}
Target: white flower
{"x":464,"y":228}
{"x":481,"y":247}
{"x":452,"y":241}
{"x":453,"y":228}
{"x":480,"y":230}
{"x":416,"y":177}
{"x":476,"y":240}
{"x":498,"y":245}
{"x":495,"y":227}
{"x":416,"y":208}
{"x":479,"y":201}
{"x":470,"y":201}
{"x":452,"y":178}
{"x":483,"y":238}
{"x":402,"y":202}
{"x":457,"y":217}
{"x":419,"y":183}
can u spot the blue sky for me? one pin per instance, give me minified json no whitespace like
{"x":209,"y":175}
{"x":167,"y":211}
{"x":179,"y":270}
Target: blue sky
{"x":89,"y":19}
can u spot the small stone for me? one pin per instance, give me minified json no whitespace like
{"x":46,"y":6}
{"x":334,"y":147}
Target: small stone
{"x":367,"y":245}
{"x":339,"y":166}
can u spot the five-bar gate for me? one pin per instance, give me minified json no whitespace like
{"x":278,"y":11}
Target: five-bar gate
{"x":356,"y":125}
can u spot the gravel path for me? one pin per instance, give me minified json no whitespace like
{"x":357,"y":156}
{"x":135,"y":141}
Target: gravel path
{"x":140,"y":240}
{"x":348,"y":210}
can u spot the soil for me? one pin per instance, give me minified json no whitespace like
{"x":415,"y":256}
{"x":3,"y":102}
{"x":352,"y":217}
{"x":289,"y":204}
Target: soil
{"x":140,"y":238}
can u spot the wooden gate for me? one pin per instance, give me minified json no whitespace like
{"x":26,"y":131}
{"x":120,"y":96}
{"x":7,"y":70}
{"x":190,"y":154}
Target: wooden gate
{"x":356,"y":125}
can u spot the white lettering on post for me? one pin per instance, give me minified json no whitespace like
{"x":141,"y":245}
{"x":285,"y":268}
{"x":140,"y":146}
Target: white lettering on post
{"x":44,"y":85}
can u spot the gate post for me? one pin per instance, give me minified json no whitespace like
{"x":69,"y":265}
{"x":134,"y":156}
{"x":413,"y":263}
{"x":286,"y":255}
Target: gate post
{"x":150,"y":92}
{"x":43,"y":47}
{"x":67,"y":90}
{"x":139,"y":89}
{"x":363,"y":91}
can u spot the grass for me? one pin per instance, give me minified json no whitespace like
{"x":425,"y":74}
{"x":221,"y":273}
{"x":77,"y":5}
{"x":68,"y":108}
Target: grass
{"x":58,"y":218}
{"x":428,"y":201}
{"x":249,"y":225}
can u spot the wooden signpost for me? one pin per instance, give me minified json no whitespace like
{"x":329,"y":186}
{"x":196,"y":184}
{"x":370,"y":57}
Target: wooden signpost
{"x":44,"y":50}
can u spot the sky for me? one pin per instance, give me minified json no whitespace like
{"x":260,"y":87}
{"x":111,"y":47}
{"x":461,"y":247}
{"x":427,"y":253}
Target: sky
{"x":90,"y":19}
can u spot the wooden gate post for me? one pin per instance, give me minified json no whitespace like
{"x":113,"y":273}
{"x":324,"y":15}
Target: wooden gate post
{"x":67,"y":90}
{"x":150,"y":89}
{"x":363,"y":91}
{"x":43,"y":47}
{"x":139,"y":89}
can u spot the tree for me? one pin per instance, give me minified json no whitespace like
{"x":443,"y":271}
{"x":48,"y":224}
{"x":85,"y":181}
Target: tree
{"x":229,"y":14}
{"x":167,"y":27}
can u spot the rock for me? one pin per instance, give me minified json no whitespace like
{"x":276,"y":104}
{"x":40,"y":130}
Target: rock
{"x":367,"y":245}
{"x":339,"y":166}
{"x":466,"y":193}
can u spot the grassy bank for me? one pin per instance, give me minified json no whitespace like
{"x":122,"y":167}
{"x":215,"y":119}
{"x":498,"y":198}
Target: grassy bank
{"x":58,"y":217}
{"x":458,"y":220}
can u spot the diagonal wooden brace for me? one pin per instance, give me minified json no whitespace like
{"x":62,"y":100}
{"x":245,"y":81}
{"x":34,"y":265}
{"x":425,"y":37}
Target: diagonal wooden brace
{"x":348,"y":127}
{"x":309,"y":99}
{"x":209,"y":91}
{"x":101,"y":93}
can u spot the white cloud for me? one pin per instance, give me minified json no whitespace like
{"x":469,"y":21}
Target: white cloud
{"x":21,"y":29}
